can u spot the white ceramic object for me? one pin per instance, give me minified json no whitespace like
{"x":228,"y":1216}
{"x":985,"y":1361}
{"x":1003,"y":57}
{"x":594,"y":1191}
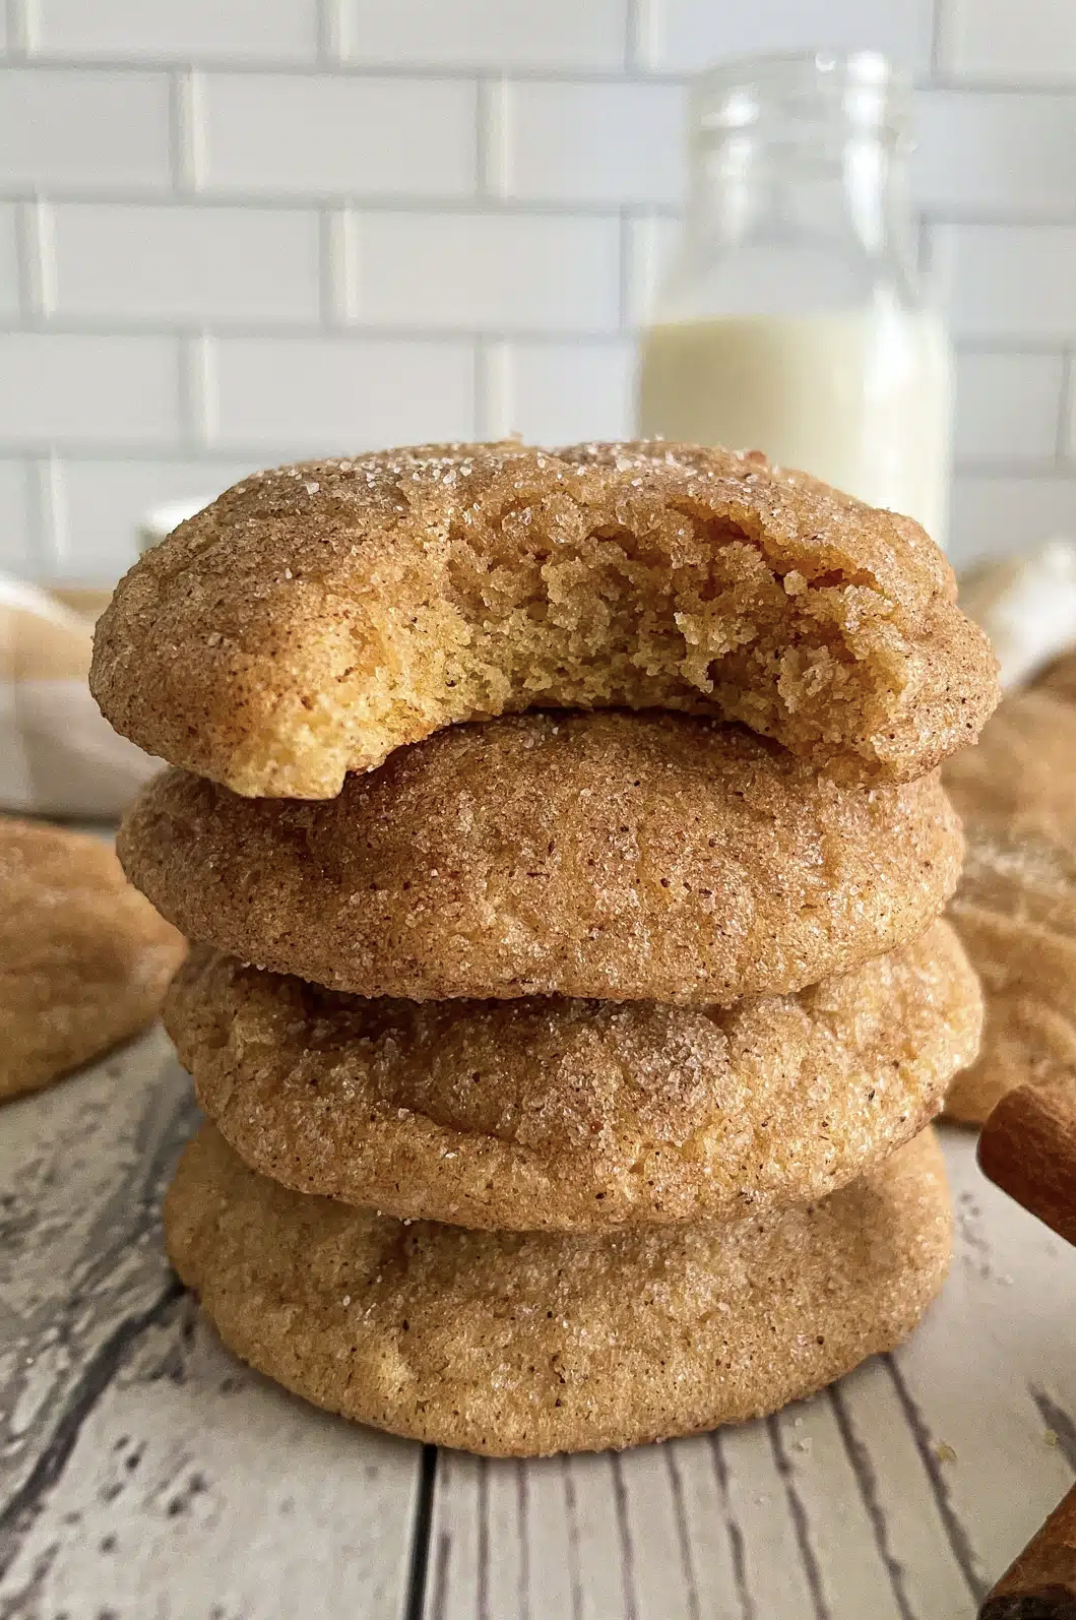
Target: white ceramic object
{"x":158,"y":524}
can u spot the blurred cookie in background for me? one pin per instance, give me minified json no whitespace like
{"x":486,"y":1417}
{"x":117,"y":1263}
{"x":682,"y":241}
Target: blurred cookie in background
{"x":84,"y":959}
{"x":1060,"y":679}
{"x":1015,"y":909}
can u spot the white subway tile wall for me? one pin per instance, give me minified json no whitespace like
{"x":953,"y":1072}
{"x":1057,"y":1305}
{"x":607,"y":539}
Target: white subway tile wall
{"x":308,"y":395}
{"x":496,"y":271}
{"x":683,"y":34}
{"x":1008,"y":406}
{"x":185,"y":263}
{"x":997,"y":40}
{"x":84,"y":129}
{"x":175,"y":30}
{"x":9,"y":261}
{"x":65,"y":389}
{"x":311,"y":135}
{"x":486,"y":33}
{"x":16,"y":527}
{"x":238,"y":231}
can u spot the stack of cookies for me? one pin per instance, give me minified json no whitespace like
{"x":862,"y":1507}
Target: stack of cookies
{"x":562,"y":842}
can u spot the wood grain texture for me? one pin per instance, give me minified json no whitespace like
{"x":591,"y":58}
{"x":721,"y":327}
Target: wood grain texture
{"x":901,"y":1493}
{"x":146,"y":1475}
{"x":1042,"y":1581}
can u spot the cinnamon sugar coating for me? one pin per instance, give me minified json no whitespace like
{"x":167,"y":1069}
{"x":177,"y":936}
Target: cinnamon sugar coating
{"x":527,"y":1344}
{"x":316,"y":617}
{"x":1015,"y":909}
{"x":622,"y":857}
{"x":548,"y":1114}
{"x":84,"y":959}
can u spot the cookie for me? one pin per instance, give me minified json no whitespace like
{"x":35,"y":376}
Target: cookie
{"x":1028,"y":971}
{"x":547,"y":1114}
{"x":622,"y":857}
{"x":84,"y":959}
{"x":527,"y":1344}
{"x":316,"y":617}
{"x":1015,"y":909}
{"x":1020,"y":782}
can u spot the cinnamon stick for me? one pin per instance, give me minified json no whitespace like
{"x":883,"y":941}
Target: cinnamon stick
{"x":1041,"y":1585}
{"x":1028,"y":1147}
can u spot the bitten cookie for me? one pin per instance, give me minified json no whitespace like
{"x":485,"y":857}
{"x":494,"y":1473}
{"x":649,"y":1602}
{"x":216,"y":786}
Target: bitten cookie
{"x":1015,"y":909}
{"x":84,"y":959}
{"x":624,"y":857}
{"x":534,"y":1343}
{"x":316,"y":617}
{"x":546,"y":1114}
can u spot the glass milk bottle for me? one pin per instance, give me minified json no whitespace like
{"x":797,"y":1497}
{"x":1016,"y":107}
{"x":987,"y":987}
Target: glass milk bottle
{"x":792,"y":319}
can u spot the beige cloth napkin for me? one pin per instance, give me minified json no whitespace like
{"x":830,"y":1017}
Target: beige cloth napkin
{"x":58,"y":756}
{"x":1026,"y":603}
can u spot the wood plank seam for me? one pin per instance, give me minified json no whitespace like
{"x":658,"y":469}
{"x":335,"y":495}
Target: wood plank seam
{"x":422,"y":1524}
{"x":572,"y":1514}
{"x":523,"y":1516}
{"x":683,"y":1533}
{"x":748,"y":1610}
{"x":863,"y":1468}
{"x":25,"y":1505}
{"x":627,"y":1548}
{"x":808,"y":1557}
{"x":956,"y":1533}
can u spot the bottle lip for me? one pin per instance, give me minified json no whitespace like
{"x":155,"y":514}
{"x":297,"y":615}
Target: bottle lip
{"x":864,"y":86}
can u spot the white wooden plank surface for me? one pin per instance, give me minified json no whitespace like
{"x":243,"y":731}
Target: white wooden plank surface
{"x":145,"y":1475}
{"x":844,"y":1506}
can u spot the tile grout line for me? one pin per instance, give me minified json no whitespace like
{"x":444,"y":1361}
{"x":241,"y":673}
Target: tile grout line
{"x":332,"y":269}
{"x":192,"y":130}
{"x":50,"y":510}
{"x":493,"y":140}
{"x":434,"y":207}
{"x":626,"y":275}
{"x":1066,"y":413}
{"x":340,"y":62}
{"x":493,"y":388}
{"x":181,"y":116}
{"x":938,"y":36}
{"x":198,"y":405}
{"x":21,"y":31}
{"x":331,"y":32}
{"x":38,"y":246}
{"x":644,"y":41}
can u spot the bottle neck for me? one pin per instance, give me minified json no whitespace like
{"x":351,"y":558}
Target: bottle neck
{"x":845,"y":190}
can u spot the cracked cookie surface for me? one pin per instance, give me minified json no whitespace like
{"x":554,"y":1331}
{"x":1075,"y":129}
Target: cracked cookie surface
{"x":549,"y":1114}
{"x":526,"y":1344}
{"x":621,"y":857}
{"x":316,"y":617}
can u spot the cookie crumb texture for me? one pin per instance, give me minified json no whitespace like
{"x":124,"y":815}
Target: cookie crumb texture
{"x":546,"y":1114}
{"x":84,"y":959}
{"x":621,"y":857}
{"x":316,"y":617}
{"x":528,"y":1344}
